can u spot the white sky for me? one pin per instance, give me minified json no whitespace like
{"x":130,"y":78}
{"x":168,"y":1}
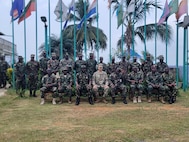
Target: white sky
{"x":6,"y":28}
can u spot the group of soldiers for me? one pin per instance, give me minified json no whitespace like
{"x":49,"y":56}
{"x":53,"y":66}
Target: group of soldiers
{"x":3,"y":69}
{"x":95,"y":80}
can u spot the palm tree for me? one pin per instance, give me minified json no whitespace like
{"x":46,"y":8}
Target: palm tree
{"x":131,"y":20}
{"x":90,"y":32}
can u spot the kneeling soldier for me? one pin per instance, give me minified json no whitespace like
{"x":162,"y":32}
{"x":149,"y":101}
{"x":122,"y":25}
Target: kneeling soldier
{"x":49,"y":84}
{"x":65,"y":85}
{"x":117,"y":85}
{"x":83,"y":85}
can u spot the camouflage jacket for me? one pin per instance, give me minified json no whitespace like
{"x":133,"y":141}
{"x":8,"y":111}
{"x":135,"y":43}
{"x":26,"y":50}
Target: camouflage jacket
{"x":20,"y":70}
{"x":161,"y":67}
{"x":112,"y":68}
{"x":32,"y":68}
{"x":136,"y":77}
{"x":64,"y":63}
{"x":4,"y":66}
{"x":100,"y":78}
{"x":154,"y":78}
{"x":168,"y":78}
{"x":116,"y":79}
{"x":91,"y":66}
{"x":53,"y":65}
{"x":77,"y":65}
{"x":65,"y":80}
{"x":49,"y":80}
{"x":83,"y":79}
{"x":146,"y":67}
{"x":43,"y":64}
{"x":135,"y":64}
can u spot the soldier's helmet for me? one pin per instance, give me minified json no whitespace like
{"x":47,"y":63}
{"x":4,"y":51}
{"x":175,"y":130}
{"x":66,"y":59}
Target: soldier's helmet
{"x":64,"y":69}
{"x":83,"y":66}
{"x":20,"y":57}
{"x":53,"y":54}
{"x":134,"y":58}
{"x":161,"y":57}
{"x":80,"y":54}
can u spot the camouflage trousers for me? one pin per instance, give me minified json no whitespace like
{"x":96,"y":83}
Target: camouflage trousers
{"x":83,"y":90}
{"x":170,"y":91}
{"x":100,"y":90}
{"x":46,"y":90}
{"x":118,"y":89}
{"x":136,"y":89}
{"x":33,"y":82}
{"x":160,"y":90}
{"x":20,"y":85}
{"x":64,"y":91}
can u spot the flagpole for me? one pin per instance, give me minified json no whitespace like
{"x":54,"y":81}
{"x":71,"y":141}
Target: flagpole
{"x":61,"y":33}
{"x":97,"y":32}
{"x":110,"y":36}
{"x":13,"y":73}
{"x":74,"y":45}
{"x":36,"y":36}
{"x":155,"y":31}
{"x":122,"y":39}
{"x":145,"y":30}
{"x":177,"y":42}
{"x":184,"y":59}
{"x":133,"y":33}
{"x":166,"y":40}
{"x":49,"y":46}
{"x":85,"y":29}
{"x":24,"y":34}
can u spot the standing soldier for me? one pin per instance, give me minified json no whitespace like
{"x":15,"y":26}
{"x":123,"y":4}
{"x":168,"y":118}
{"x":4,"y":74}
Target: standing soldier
{"x":146,"y":65}
{"x":135,"y":64}
{"x":43,"y":65}
{"x":65,"y":85}
{"x":20,"y":76}
{"x":83,"y":85}
{"x":161,"y":65}
{"x":136,"y":79}
{"x":78,"y":63}
{"x":117,"y":85}
{"x":53,"y":64}
{"x":170,"y":85}
{"x":3,"y":68}
{"x":32,"y":68}
{"x":112,"y":66}
{"x":154,"y":81}
{"x":100,"y":84}
{"x":91,"y":64}
{"x":124,"y":65}
{"x":49,"y":84}
{"x":66,"y":62}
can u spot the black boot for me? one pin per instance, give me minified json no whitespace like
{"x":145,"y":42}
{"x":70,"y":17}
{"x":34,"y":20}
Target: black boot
{"x":30,"y":93}
{"x":113,"y":100}
{"x":170,"y":99}
{"x":90,"y":101}
{"x":124,"y":100}
{"x":77,"y":101}
{"x":34,"y":93}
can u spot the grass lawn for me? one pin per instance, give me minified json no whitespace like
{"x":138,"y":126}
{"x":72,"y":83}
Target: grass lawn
{"x":24,"y":120}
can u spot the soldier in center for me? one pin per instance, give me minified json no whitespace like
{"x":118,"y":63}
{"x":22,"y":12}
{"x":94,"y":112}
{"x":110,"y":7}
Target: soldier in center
{"x":83,"y":85}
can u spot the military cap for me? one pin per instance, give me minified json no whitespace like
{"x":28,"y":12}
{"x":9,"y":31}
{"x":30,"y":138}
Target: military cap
{"x":49,"y":70}
{"x":32,"y":55}
{"x":64,"y":69}
{"x":20,"y":57}
{"x":53,"y":54}
{"x":147,"y":55}
{"x":80,"y":54}
{"x":83,"y":66}
{"x":161,"y":57}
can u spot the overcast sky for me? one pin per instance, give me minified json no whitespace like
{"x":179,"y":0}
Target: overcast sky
{"x":6,"y":28}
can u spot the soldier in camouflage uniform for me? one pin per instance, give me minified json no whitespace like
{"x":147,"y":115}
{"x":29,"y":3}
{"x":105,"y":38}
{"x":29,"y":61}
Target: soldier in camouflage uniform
{"x":78,"y":63}
{"x":124,"y":65}
{"x":3,"y":69}
{"x":135,"y":64}
{"x":161,"y":65}
{"x":146,"y":65}
{"x":170,"y":85}
{"x":83,"y":85}
{"x":43,"y":65}
{"x":65,"y":62}
{"x":117,"y":85}
{"x":136,"y":84}
{"x":112,"y":66}
{"x":104,"y":65}
{"x":100,"y":84}
{"x":91,"y":64}
{"x":65,"y":85}
{"x":32,"y":68}
{"x":53,"y":64}
{"x":155,"y":82}
{"x":20,"y":76}
{"x":49,"y":84}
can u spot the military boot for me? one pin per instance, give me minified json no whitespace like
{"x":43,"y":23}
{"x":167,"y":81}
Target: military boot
{"x":149,"y":99}
{"x":30,"y":93}
{"x":42,"y":101}
{"x":104,"y":100}
{"x":134,"y":100}
{"x":90,"y":99}
{"x":61,"y":100}
{"x":34,"y":93}
{"x":139,"y":99}
{"x":54,"y":101}
{"x":77,"y":101}
{"x":124,"y":100}
{"x":162,"y":100}
{"x":113,"y":100}
{"x":70,"y":100}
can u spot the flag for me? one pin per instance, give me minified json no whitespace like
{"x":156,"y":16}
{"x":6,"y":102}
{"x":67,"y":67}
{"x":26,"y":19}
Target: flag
{"x":130,"y":8}
{"x":182,"y":9}
{"x":120,"y":14}
{"x":71,"y":8}
{"x":61,"y":9}
{"x":91,"y":10}
{"x":17,"y":8}
{"x":173,"y":7}
{"x":31,"y":6}
{"x":165,"y":14}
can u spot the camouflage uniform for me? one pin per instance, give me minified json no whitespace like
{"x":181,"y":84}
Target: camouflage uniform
{"x":78,"y":64}
{"x":155,"y":81}
{"x":49,"y":84}
{"x":117,"y":85}
{"x":3,"y":69}
{"x":146,"y":66}
{"x":20,"y":76}
{"x":65,"y":62}
{"x":136,"y":84}
{"x":100,"y":83}
{"x":170,"y":85}
{"x":32,"y":68}
{"x":135,"y":64}
{"x":112,"y":66}
{"x":91,"y":65}
{"x":104,"y":65}
{"x":65,"y":85}
{"x":161,"y":65}
{"x":83,"y":85}
{"x":53,"y":64}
